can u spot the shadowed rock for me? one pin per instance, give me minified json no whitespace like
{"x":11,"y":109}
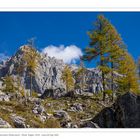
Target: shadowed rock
{"x":124,"y":113}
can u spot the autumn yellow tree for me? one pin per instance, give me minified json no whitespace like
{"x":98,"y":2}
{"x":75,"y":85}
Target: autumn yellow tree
{"x":19,"y":70}
{"x":67,"y":78}
{"x":80,"y":77}
{"x":138,"y":68}
{"x":98,"y":48}
{"x":115,"y":46}
{"x":107,"y":47}
{"x":31,"y":58}
{"x":138,"y":73}
{"x":8,"y":83}
{"x":103,"y":39}
{"x":128,"y":81}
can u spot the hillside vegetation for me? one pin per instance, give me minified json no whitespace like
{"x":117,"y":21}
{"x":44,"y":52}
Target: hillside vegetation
{"x":38,"y":91}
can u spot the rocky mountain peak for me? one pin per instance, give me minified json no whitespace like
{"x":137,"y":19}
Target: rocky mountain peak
{"x":24,"y":48}
{"x":48,"y":74}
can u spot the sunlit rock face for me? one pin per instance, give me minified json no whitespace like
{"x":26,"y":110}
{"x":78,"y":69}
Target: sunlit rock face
{"x":48,"y":74}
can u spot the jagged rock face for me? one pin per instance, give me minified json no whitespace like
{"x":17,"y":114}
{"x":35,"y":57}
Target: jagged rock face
{"x":93,"y":80}
{"x":47,"y":74}
{"x":125,"y":113}
{"x":47,"y":77}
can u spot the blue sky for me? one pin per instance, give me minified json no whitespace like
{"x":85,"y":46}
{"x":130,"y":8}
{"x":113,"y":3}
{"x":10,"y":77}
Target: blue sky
{"x":63,"y":28}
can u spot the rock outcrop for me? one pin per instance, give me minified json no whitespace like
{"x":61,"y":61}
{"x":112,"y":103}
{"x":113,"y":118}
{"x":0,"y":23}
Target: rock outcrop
{"x":124,"y":113}
{"x":47,"y":74}
{"x":18,"y":121}
{"x":4,"y":97}
{"x":76,"y":107}
{"x":4,"y":124}
{"x":47,"y":79}
{"x":61,"y":114}
{"x":38,"y":109}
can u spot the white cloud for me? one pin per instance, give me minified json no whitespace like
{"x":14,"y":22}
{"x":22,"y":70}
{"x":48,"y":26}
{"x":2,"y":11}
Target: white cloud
{"x":3,"y":56}
{"x":69,"y":54}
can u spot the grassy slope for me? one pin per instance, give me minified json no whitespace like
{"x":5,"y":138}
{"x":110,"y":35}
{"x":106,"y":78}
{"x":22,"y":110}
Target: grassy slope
{"x":92,"y":105}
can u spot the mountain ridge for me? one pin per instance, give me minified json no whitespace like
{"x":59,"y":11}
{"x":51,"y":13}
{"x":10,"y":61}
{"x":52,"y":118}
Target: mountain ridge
{"x":48,"y":73}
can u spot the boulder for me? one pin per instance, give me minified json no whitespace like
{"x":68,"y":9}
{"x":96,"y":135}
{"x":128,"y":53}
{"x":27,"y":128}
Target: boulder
{"x":18,"y":121}
{"x":106,"y":118}
{"x":54,"y":93}
{"x":65,"y":124}
{"x":61,"y":114}
{"x":38,"y":109}
{"x":4,"y":124}
{"x":124,"y":113}
{"x":76,"y":107}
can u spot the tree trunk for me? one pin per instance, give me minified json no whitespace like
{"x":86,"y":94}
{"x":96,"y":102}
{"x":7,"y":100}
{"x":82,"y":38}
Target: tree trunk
{"x":104,"y":94}
{"x":103,"y":79}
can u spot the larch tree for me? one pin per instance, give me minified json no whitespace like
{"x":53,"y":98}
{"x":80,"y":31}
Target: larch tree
{"x":8,"y":83}
{"x":107,"y":47}
{"x":67,"y":78}
{"x":80,"y":77}
{"x":19,"y":70}
{"x":138,"y":73}
{"x":138,"y":68}
{"x":115,"y":54}
{"x":98,"y":48}
{"x":115,"y":47}
{"x":31,"y":58}
{"x":129,"y":79}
